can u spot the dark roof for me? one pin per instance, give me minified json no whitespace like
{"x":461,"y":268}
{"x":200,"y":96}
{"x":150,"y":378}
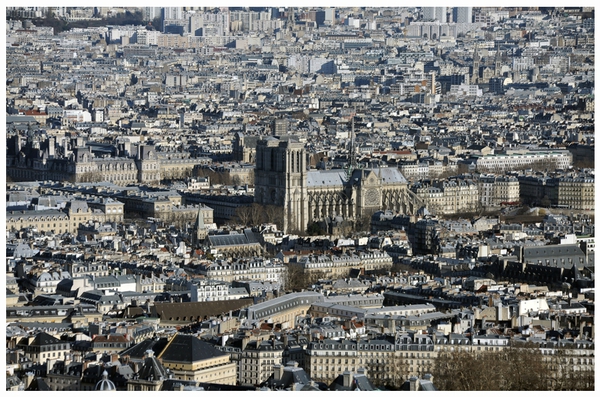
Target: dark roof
{"x":188,"y":349}
{"x":359,"y":382}
{"x":291,"y":376}
{"x":556,"y":255}
{"x":44,"y":339}
{"x":38,"y":384}
{"x":191,"y":310}
{"x":225,"y":240}
{"x":174,"y":385}
{"x":152,"y":370}
{"x":138,"y":350}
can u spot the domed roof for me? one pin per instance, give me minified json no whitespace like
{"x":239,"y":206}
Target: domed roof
{"x":105,"y":384}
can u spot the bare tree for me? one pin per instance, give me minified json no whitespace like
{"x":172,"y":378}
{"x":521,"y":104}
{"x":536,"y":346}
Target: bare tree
{"x":512,"y":368}
{"x":256,"y":214}
{"x":244,"y":214}
{"x":390,"y":372}
{"x":295,"y":279}
{"x":274,"y":214}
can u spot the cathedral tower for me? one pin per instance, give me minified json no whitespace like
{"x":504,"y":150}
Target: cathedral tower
{"x":280,"y":179}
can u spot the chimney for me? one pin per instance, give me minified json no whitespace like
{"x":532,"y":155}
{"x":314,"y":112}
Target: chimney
{"x":278,"y":371}
{"x":28,"y":379}
{"x":348,"y":378}
{"x":414,"y":383}
{"x":49,"y":365}
{"x":428,"y":377}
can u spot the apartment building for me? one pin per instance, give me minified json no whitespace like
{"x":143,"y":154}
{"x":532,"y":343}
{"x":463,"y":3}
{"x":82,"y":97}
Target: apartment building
{"x":257,"y":360}
{"x":496,"y":191}
{"x":334,"y":266}
{"x":449,"y":196}
{"x":256,"y":268}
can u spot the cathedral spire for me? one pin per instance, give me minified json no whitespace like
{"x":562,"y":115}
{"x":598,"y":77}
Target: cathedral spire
{"x":352,"y":150}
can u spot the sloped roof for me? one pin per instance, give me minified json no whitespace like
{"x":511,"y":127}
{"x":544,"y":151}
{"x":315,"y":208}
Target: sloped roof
{"x":316,"y":178}
{"x":138,"y":350}
{"x":189,"y":349}
{"x":38,"y":384}
{"x":44,"y":339}
{"x":167,"y":310}
{"x":152,"y":370}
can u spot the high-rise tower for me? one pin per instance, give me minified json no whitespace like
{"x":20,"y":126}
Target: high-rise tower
{"x":462,"y":14}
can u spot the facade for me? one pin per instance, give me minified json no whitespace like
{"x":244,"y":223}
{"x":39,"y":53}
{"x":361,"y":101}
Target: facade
{"x":413,"y":354}
{"x":68,"y":220}
{"x":497,"y":191}
{"x":255,"y":269}
{"x":333,"y":266}
{"x":449,"y":197}
{"x":573,"y":192}
{"x":257,"y":361}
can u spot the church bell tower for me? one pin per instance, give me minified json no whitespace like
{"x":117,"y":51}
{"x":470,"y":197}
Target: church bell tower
{"x":280,"y":180}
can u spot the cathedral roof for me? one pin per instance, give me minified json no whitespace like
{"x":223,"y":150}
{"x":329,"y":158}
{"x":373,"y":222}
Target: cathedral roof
{"x":316,"y":178}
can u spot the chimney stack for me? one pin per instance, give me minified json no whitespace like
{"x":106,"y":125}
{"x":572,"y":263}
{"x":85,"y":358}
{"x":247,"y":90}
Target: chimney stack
{"x":414,"y":383}
{"x":278,"y":371}
{"x":347,"y":378}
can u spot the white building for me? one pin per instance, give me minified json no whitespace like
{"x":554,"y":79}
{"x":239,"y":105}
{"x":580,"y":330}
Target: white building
{"x":561,"y":159}
{"x":466,"y":90}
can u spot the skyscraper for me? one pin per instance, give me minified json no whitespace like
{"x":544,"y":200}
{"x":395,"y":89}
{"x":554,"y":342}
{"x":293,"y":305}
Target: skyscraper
{"x":462,"y":14}
{"x":172,"y":13}
{"x":434,"y":13}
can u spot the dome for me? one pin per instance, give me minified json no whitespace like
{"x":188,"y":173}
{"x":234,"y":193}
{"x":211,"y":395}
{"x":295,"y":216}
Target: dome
{"x":105,"y":384}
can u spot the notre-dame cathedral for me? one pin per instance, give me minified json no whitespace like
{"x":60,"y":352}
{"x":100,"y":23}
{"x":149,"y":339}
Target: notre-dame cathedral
{"x":282,"y":178}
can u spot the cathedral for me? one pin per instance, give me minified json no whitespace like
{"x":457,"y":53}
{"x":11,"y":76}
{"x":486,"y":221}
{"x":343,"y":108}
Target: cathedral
{"x":283,"y":178}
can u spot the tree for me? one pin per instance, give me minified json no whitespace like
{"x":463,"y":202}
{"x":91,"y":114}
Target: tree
{"x":363,"y":223}
{"x":517,"y":358}
{"x":90,"y":177}
{"x":256,"y":214}
{"x":469,"y":371}
{"x":274,"y":214}
{"x":314,"y":229}
{"x":244,"y":214}
{"x":390,"y":372}
{"x":512,"y":368}
{"x":295,"y":279}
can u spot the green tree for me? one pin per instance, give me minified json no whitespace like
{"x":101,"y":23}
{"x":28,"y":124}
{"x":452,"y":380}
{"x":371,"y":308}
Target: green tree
{"x":314,"y":229}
